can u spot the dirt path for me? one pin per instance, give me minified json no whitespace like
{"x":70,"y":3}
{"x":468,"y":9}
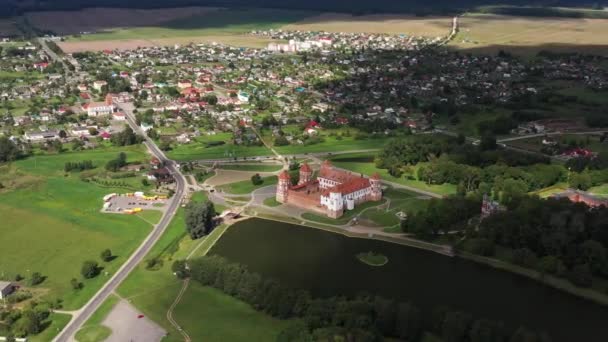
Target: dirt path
{"x":173,"y":305}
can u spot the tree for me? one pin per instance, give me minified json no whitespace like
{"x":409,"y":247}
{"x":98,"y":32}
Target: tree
{"x":36,"y":279}
{"x":28,"y":324}
{"x":487,"y":143}
{"x":145,"y":182}
{"x":90,"y":269}
{"x":76,"y":285}
{"x":408,"y":322}
{"x":8,"y":150}
{"x":106,"y":255}
{"x":256,"y":179}
{"x":199,"y":219}
{"x":180,"y":269}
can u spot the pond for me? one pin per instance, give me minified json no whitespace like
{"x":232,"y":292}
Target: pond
{"x":326,"y":264}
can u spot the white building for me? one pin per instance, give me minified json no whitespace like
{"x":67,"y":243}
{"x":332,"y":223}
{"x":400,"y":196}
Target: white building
{"x":95,"y":109}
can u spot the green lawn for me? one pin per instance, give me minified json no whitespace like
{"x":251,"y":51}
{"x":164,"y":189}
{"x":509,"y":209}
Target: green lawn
{"x":246,"y":187}
{"x":251,"y":167}
{"x":199,"y":151}
{"x":332,"y":144}
{"x":600,"y":190}
{"x":214,"y":23}
{"x":272,"y":202}
{"x":52,"y":223}
{"x":207,"y":314}
{"x":151,"y":216}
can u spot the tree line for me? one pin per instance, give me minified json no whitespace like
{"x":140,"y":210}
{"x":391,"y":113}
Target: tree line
{"x":362,"y":318}
{"x":482,"y":169}
{"x":78,"y":166}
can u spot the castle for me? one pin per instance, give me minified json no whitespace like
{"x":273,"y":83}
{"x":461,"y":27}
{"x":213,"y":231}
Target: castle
{"x":330,"y":193}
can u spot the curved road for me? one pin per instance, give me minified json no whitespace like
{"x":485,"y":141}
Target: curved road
{"x":81,"y":316}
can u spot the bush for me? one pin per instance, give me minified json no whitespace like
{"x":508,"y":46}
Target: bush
{"x":106,"y":255}
{"x":256,"y":179}
{"x":36,"y":279}
{"x":76,"y":285}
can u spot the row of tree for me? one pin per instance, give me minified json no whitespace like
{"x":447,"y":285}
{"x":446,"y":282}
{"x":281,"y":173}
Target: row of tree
{"x":363,"y":318}
{"x":78,"y":166}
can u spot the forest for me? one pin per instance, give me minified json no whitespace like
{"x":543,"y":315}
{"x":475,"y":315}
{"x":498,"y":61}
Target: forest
{"x":362,"y":318}
{"x":554,"y":236}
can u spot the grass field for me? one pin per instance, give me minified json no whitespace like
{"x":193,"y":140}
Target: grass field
{"x":199,"y":149}
{"x":207,"y":314}
{"x":528,"y":35}
{"x":600,"y":190}
{"x":52,"y":224}
{"x":251,"y":167}
{"x":58,"y":321}
{"x":246,"y":187}
{"x":393,"y":24}
{"x":331,"y":144}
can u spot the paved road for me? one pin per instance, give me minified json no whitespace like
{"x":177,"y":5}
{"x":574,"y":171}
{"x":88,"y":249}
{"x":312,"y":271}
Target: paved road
{"x":81,"y":316}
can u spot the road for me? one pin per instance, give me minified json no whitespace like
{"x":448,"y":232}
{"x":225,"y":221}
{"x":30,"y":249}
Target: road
{"x":53,"y":55}
{"x":81,"y":316}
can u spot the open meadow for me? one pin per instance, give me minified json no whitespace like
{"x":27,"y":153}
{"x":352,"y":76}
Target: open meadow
{"x":529,"y":35}
{"x":52,"y":223}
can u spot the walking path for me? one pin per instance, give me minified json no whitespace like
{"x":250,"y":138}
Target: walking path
{"x":173,"y":305}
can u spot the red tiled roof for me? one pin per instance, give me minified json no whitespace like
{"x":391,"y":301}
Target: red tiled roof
{"x":285,"y":175}
{"x":305,"y":168}
{"x":352,"y":185}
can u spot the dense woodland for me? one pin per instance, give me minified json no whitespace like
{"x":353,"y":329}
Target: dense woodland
{"x":554,"y":236}
{"x":363,"y":318}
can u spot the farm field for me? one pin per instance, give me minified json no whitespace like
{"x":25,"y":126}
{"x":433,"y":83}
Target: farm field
{"x":392,"y":24}
{"x":56,"y":224}
{"x":528,"y":35}
{"x":229,"y":26}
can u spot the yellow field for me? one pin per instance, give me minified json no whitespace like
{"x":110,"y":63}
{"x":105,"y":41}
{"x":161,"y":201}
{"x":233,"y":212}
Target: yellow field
{"x":393,"y":24}
{"x":526,"y":35}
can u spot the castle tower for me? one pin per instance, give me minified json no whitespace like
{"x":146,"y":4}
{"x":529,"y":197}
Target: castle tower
{"x":376,"y":185}
{"x":335,"y":207}
{"x":326,"y":165}
{"x":305,"y":174}
{"x":283,"y":186}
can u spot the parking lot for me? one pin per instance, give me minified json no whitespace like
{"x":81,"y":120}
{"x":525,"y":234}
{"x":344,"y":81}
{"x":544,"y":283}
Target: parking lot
{"x":126,"y":204}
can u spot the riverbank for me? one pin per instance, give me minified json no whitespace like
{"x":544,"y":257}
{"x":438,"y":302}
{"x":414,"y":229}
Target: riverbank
{"x":546,"y":279}
{"x":401,"y":240}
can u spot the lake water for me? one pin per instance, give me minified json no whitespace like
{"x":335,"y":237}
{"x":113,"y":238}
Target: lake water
{"x":325,"y":263}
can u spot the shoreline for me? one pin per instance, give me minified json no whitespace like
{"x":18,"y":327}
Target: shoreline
{"x":547,"y":280}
